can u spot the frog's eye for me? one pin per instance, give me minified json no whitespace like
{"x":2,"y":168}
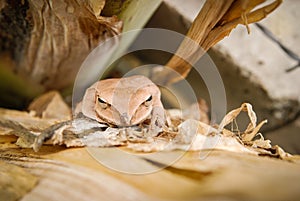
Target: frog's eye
{"x":148,"y":101}
{"x":103,"y":104}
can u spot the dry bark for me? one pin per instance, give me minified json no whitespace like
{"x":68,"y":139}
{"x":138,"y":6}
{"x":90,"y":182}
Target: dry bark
{"x":46,"y":41}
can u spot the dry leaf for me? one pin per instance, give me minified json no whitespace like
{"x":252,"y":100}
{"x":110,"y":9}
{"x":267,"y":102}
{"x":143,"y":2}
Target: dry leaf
{"x":251,"y":130}
{"x":180,"y":133}
{"x":54,"y":38}
{"x":198,"y":111}
{"x":50,"y":106}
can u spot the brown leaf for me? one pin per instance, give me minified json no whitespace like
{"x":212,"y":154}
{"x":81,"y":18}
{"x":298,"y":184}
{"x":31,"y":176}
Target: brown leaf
{"x":251,"y":130}
{"x":55,"y":39}
{"x":50,"y":106}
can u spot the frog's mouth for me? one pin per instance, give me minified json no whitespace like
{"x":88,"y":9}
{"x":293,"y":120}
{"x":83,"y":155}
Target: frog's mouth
{"x":124,"y":119}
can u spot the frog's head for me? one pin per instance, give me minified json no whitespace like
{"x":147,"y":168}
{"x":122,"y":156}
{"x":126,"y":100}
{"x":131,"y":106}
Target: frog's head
{"x":124,"y":102}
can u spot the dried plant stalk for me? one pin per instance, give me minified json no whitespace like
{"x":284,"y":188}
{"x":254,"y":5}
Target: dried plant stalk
{"x":214,"y":22}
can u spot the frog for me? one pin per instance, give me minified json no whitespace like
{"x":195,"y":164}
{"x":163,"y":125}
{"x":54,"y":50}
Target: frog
{"x":124,"y":102}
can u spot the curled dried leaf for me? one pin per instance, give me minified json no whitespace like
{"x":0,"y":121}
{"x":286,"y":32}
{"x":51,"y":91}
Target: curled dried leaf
{"x":252,"y":128}
{"x":181,"y":133}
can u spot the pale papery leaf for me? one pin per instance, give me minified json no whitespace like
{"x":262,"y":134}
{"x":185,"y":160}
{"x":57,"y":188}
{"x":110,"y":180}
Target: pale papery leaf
{"x":182,"y":134}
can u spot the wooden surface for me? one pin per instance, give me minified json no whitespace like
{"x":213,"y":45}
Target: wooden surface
{"x":73,"y":174}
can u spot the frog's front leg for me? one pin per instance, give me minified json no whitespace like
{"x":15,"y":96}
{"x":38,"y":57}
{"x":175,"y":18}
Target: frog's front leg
{"x":157,"y":120}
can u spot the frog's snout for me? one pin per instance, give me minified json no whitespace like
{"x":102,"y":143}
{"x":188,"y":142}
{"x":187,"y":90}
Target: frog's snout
{"x":125,"y":119}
